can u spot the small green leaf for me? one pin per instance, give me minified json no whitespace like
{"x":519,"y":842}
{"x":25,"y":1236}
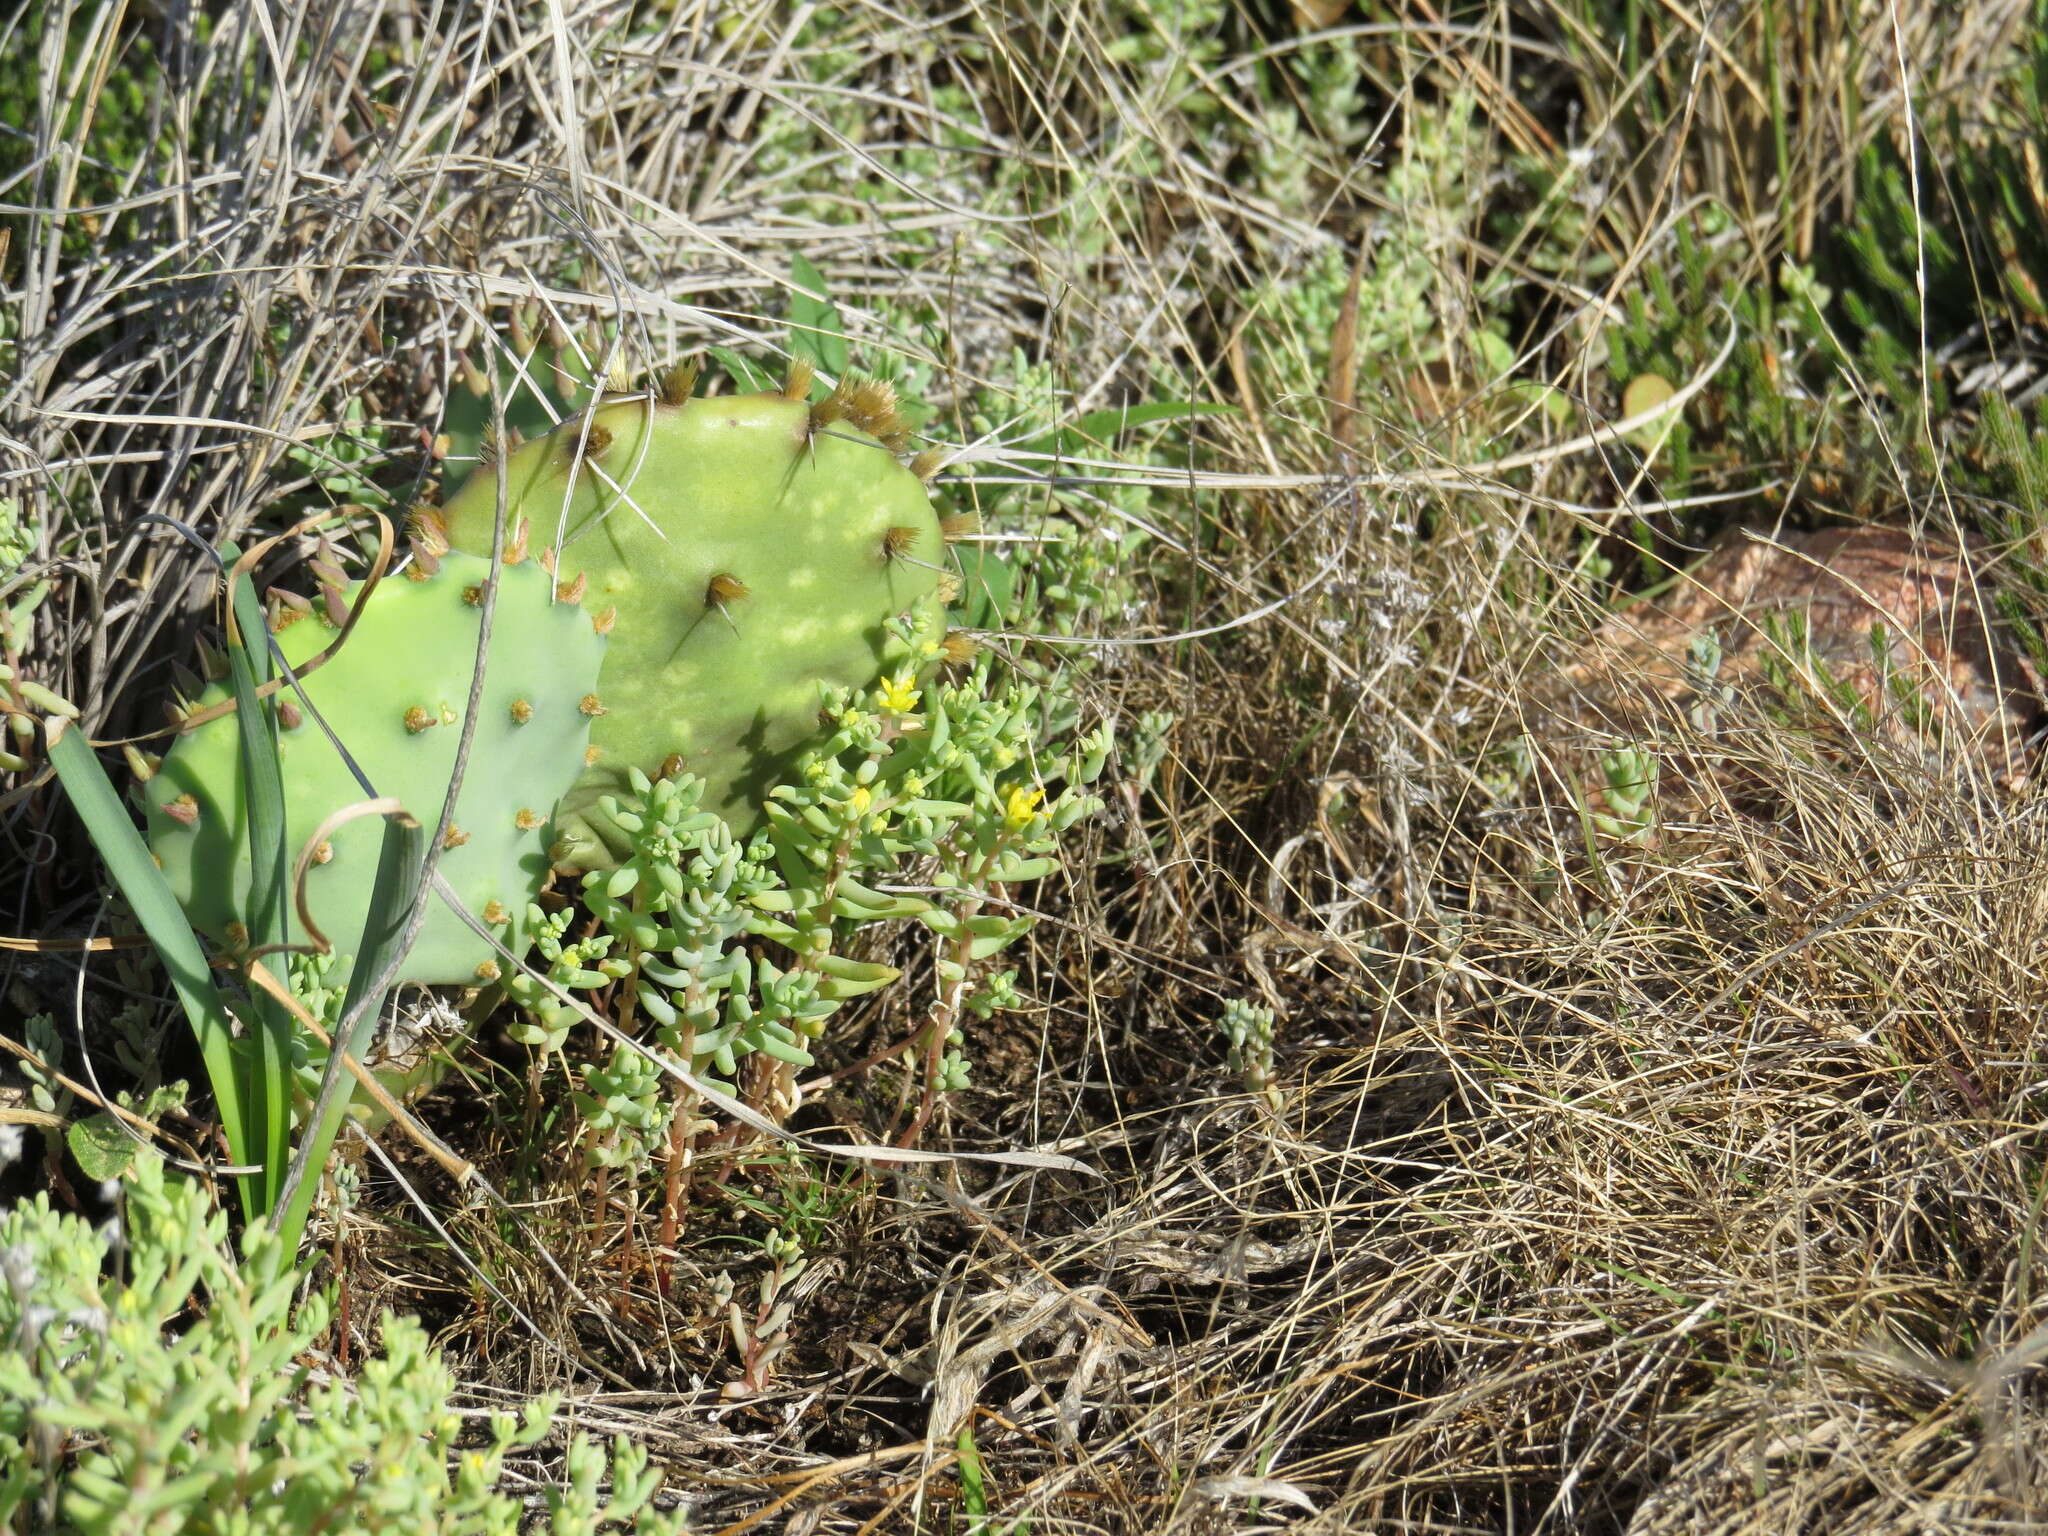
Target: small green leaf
{"x":102,"y":1146}
{"x":815,"y":328}
{"x":744,"y":372}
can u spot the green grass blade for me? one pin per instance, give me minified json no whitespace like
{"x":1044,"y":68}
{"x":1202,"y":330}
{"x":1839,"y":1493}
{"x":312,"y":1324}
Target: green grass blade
{"x":270,"y":1087}
{"x":383,"y":946}
{"x":135,"y":873}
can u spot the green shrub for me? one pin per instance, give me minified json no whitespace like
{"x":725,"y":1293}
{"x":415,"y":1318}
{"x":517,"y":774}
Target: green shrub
{"x":177,"y":1398}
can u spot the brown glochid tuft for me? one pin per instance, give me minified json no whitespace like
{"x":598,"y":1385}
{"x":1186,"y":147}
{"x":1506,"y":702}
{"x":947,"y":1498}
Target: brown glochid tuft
{"x":522,"y":711}
{"x":871,"y":406}
{"x":796,"y":382}
{"x":571,"y":591}
{"x":724,"y":588}
{"x":898,"y":541}
{"x":418,"y":719}
{"x":958,"y":649}
{"x":456,"y":837}
{"x":957,"y":525}
{"x":603,"y":622}
{"x":927,"y":464}
{"x":528,"y":821}
{"x":680,"y":382}
{"x":592,"y":706}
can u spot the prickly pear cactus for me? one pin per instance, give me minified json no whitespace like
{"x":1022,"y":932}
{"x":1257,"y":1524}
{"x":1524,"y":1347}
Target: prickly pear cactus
{"x":750,"y":549}
{"x":394,"y":694}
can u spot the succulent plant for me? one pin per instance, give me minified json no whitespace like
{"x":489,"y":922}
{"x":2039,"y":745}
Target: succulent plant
{"x":394,"y":695}
{"x":750,"y":550}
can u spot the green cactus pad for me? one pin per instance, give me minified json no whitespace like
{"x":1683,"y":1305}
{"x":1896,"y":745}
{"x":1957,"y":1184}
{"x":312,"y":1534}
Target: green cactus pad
{"x":394,"y":694}
{"x":753,"y":548}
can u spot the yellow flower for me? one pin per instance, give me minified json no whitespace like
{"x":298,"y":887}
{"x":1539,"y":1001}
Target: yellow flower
{"x":1021,"y":807}
{"x":898,"y":695}
{"x":860,"y":799}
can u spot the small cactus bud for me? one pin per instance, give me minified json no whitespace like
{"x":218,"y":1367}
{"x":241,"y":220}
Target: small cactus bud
{"x":142,"y":764}
{"x":324,"y":852}
{"x":184,"y":809}
{"x":289,"y":716}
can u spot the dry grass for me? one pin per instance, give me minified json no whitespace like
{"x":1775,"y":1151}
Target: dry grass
{"x":1685,"y":1184}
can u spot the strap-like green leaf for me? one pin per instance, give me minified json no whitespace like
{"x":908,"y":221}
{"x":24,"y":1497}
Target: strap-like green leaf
{"x":135,"y":874}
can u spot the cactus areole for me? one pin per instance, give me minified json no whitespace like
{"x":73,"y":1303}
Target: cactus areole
{"x":747,"y":550}
{"x":394,"y":694}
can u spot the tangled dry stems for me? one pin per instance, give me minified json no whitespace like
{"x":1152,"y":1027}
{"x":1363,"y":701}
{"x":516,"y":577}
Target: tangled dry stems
{"x":1684,"y":1185}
